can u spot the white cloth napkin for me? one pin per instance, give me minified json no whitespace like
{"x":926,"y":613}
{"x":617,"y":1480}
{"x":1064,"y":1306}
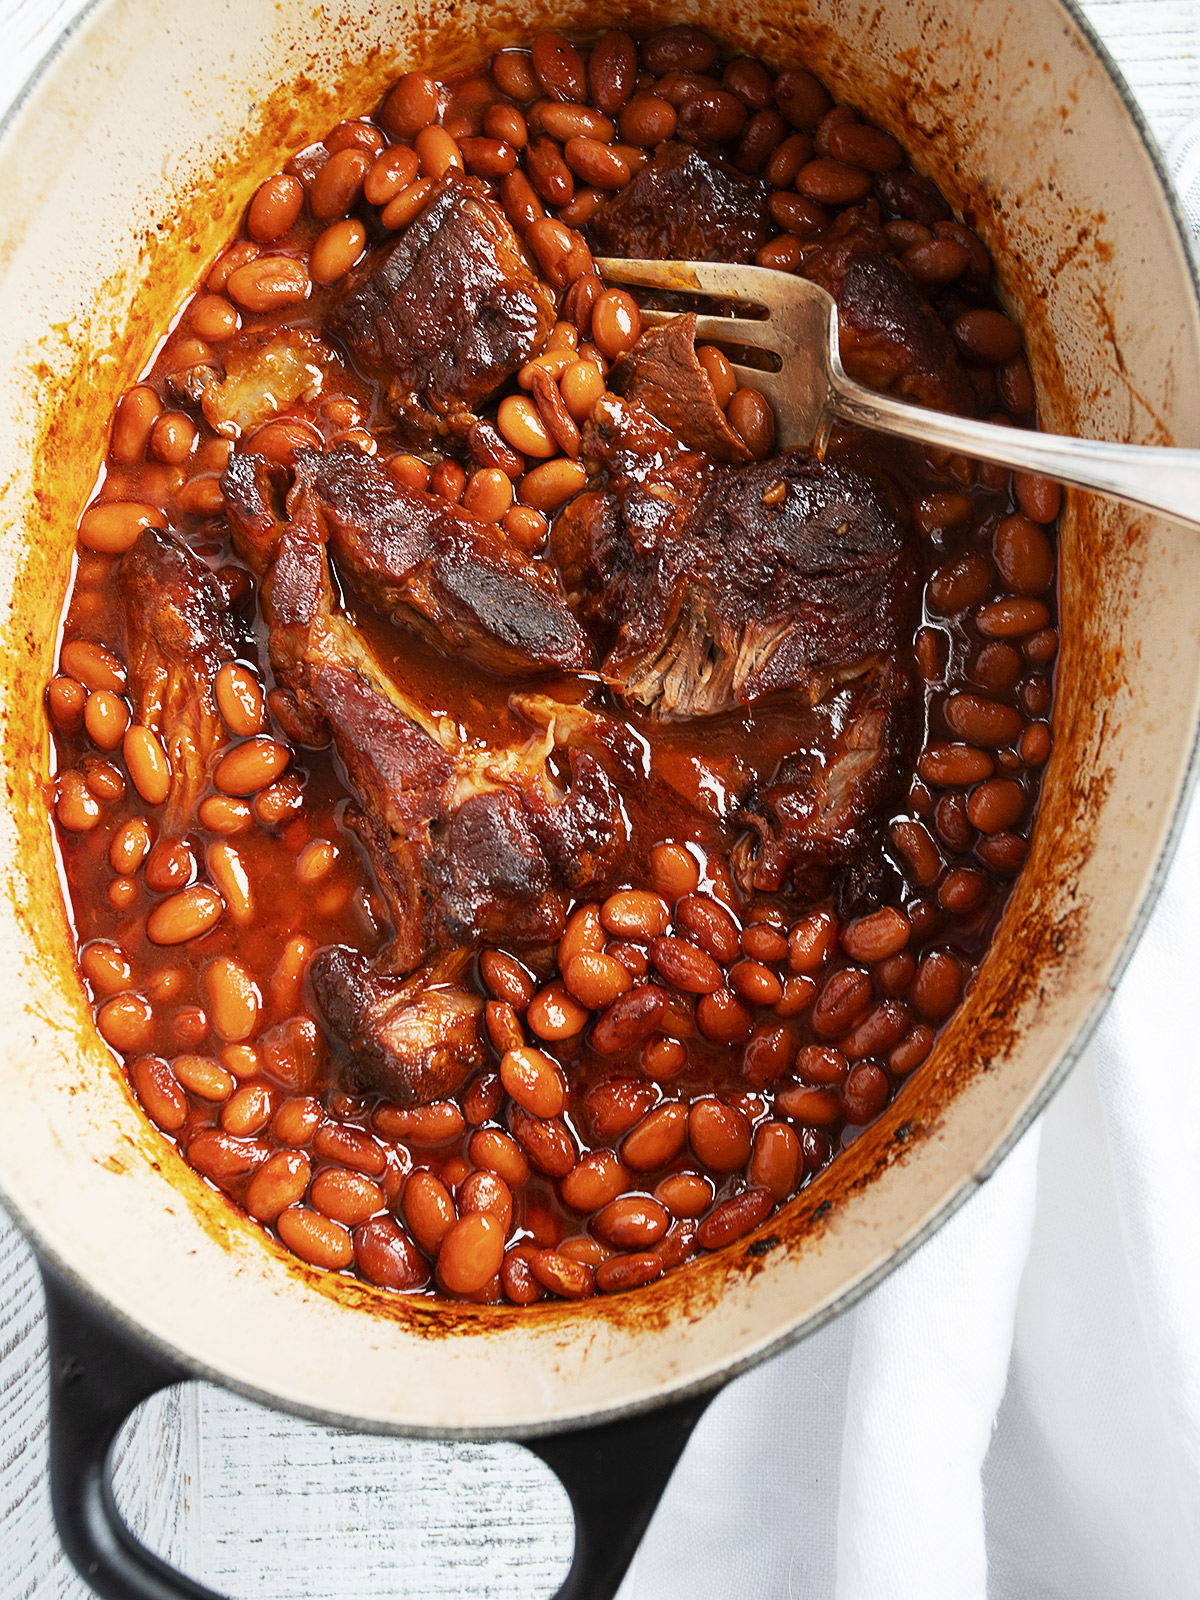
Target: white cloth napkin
{"x":1015,"y":1412}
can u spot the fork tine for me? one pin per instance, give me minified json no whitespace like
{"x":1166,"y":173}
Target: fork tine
{"x":716,"y":278}
{"x":733,"y":330}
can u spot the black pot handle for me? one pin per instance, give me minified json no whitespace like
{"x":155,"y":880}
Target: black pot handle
{"x":99,"y":1374}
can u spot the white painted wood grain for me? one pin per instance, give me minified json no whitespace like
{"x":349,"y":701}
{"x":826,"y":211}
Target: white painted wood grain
{"x":261,"y":1506}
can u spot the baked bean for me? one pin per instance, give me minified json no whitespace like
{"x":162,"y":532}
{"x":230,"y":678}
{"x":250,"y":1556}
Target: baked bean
{"x":712,"y":117}
{"x":629,"y":1020}
{"x":337,"y":186}
{"x":780,"y":255}
{"x":952,"y":823}
{"x":776,"y":1160}
{"x":584,"y":933}
{"x":105,"y":716}
{"x":987,"y":335}
{"x":632,"y":1271}
{"x":876,"y":936}
{"x":719,"y":1135}
{"x":406,"y":204}
{"x":616,"y":322}
{"x":997,"y":668}
{"x":632,"y":957}
{"x":314,"y":1238}
{"x":437,"y":153}
{"x":559,"y":68}
{"x":1003,"y":852}
{"x":1035,"y":744}
{"x":105,"y":966}
{"x":1039,"y":498}
{"x":228,"y":871}
{"x":982,"y":722}
{"x":843,"y":1001}
{"x":122,"y":893}
{"x":521,"y":424}
{"x":447,"y":481}
{"x":801,"y":97}
{"x":662,"y":1058}
{"x":136,"y":415}
{"x":1014,"y":382}
{"x":386,"y":1256}
{"x":632,"y":1222}
{"x":534,"y":1081}
{"x":915,"y":846}
{"x":734,"y":1218}
{"x":251,"y":766}
{"x":316,"y":861}
{"x":248,"y":1110}
{"x":275,"y":208}
{"x":764,"y":133}
{"x":503,"y":1026}
{"x":269,"y":283}
{"x":412,"y":104}
{"x":685,"y":1194}
{"x":722,"y":1018}
{"x":1023,"y":555}
{"x":957,"y":765}
{"x":995,"y":805}
{"x":598,"y":1179}
{"x":66,"y":700}
{"x":549,"y":486}
{"x":912,"y":1050}
{"x":506,"y":978}
{"x":130,"y":845}
{"x":428,"y":1209}
{"x":219,"y":1156}
{"x":187,"y":915}
{"x":755,"y":982}
{"x":832,"y":183}
{"x":798,"y":216}
{"x":709,"y":925}
{"x":647,"y":121}
{"x":686,"y":966}
{"x":858,"y":144}
{"x":488,"y":494}
{"x":555,"y":1014}
{"x":391,"y":172}
{"x":545,"y":1142}
{"x":1041,"y":648}
{"x":233,"y":999}
{"x":173,"y":438}
{"x":558,"y":1274}
{"x":483,"y":1097}
{"x":679,"y":49}
{"x":611,"y":1109}
{"x":815,"y":1108}
{"x":112,"y":527}
{"x":811,"y":940}
{"x":170,"y":865}
{"x":635,"y":914}
{"x":471,"y":1254}
{"x":433,"y":1124}
{"x":297,"y":1120}
{"x":865,"y":1093}
{"x":346,"y":1197}
{"x":486,"y":157}
{"x":158,"y":1089}
{"x":657,"y":1139}
{"x":596,"y":163}
{"x":240,"y":700}
{"x":494,"y":1151}
{"x":962,"y":891}
{"x":339,"y":248}
{"x":595,"y":979}
{"x":752,"y":419}
{"x":937,"y":986}
{"x":880,"y":1029}
{"x":767,"y":1056}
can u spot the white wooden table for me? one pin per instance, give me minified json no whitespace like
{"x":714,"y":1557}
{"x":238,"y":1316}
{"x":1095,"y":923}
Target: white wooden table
{"x":254,"y":1503}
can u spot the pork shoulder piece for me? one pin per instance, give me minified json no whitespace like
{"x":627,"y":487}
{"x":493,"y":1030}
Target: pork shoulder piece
{"x":267,"y":370}
{"x":414,"y":1039}
{"x":684,"y":206}
{"x":435,"y":566}
{"x":824,"y":805}
{"x":446,"y":312}
{"x":787,"y":574}
{"x":889,"y":335}
{"x":178,"y":637}
{"x":662,"y":375}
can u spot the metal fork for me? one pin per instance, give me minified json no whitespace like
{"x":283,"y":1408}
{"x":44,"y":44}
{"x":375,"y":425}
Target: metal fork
{"x":811,"y":389}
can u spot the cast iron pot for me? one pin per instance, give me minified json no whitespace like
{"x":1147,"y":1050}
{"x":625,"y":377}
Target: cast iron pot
{"x":122,"y":172}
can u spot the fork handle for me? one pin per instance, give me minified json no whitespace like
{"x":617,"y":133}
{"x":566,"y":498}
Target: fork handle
{"x":1159,"y":478}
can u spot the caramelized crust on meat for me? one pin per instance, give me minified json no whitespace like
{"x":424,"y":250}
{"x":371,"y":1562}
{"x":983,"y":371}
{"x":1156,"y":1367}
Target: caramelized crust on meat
{"x":446,"y":312}
{"x":435,"y":566}
{"x":685,"y":206}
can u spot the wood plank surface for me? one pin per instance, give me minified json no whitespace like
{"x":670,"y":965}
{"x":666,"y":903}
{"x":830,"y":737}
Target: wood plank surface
{"x":264,"y":1506}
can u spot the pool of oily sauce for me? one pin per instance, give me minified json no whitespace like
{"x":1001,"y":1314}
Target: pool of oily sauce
{"x":694,"y":761}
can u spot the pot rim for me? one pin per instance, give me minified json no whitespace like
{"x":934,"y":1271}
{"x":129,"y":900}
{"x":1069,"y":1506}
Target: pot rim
{"x":193,"y":1369}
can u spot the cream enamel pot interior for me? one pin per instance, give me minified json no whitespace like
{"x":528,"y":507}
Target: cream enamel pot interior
{"x":121,"y":173}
